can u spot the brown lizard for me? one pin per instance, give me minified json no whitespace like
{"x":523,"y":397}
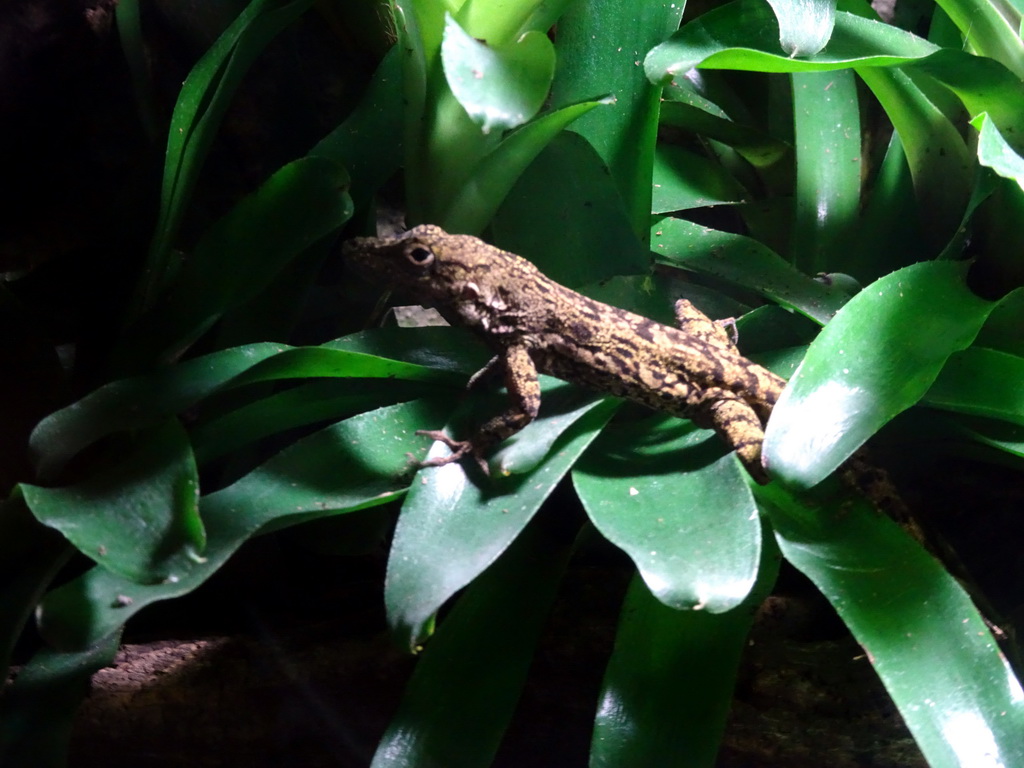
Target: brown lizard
{"x":536,"y":325}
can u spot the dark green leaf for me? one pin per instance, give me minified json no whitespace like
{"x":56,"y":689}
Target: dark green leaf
{"x":923,"y":636}
{"x":453,"y":527}
{"x":139,"y":517}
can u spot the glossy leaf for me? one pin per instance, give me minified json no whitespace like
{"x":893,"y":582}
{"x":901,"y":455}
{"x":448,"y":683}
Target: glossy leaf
{"x":744,"y":35}
{"x":876,"y":358}
{"x":454,"y":525}
{"x":670,"y":682}
{"x":499,"y":86}
{"x":683,"y":179}
{"x":678,"y":507}
{"x":995,"y":153}
{"x":940,"y":165}
{"x":747,"y":262}
{"x":139,"y":518}
{"x":301,"y":483}
{"x":826,"y":121}
{"x":908,"y":612}
{"x":804,"y":25}
{"x":981,"y":382}
{"x":600,"y":47}
{"x":465,"y":687}
{"x":565,"y":215}
{"x":424,"y":354}
{"x":497,"y":172}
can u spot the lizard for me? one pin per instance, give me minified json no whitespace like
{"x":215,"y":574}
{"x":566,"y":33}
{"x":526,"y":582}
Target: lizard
{"x":536,"y":325}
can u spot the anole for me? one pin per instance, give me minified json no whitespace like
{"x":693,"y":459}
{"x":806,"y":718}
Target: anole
{"x":535,"y":325}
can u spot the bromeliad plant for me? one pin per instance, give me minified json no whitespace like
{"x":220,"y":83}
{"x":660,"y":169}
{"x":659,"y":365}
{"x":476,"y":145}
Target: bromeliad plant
{"x":846,"y":153}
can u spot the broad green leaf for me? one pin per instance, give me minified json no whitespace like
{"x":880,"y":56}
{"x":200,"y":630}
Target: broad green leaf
{"x":683,"y":179}
{"x":139,"y":517}
{"x":303,"y":482}
{"x":600,"y":48}
{"x":454,"y":525}
{"x":501,"y":23}
{"x":201,"y":105}
{"x":980,"y":382}
{"x":995,"y":153}
{"x":499,"y":86}
{"x":804,"y":25}
{"x":465,"y":687}
{"x":679,"y":508}
{"x":876,"y":358}
{"x":38,"y":709}
{"x":670,"y":681}
{"x":747,"y":262}
{"x":565,"y":215}
{"x":931,"y":648}
{"x":745,"y":35}
{"x":497,"y":172}
{"x":826,"y":120}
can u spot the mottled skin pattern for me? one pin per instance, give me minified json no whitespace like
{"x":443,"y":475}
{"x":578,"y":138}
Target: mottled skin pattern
{"x":536,"y":325}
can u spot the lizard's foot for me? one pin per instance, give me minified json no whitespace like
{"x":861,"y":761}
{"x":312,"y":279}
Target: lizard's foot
{"x":459,"y":448}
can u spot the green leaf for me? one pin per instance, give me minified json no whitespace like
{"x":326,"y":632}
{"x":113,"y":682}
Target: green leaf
{"x":301,"y":483}
{"x":744,"y":35}
{"x":685,"y":180}
{"x":995,"y":153}
{"x":241,"y":254}
{"x":37,"y":710}
{"x":923,"y":636}
{"x":804,"y":27}
{"x":452,"y":527}
{"x":980,"y":382}
{"x":670,"y":682}
{"x":500,"y":86}
{"x":826,"y":119}
{"x":600,"y":47}
{"x":201,"y":105}
{"x":31,"y":555}
{"x":747,"y":262}
{"x":678,"y":507}
{"x":426,"y":354}
{"x":464,"y":690}
{"x":876,"y":358}
{"x":565,"y":215}
{"x":493,"y":177}
{"x":139,"y":518}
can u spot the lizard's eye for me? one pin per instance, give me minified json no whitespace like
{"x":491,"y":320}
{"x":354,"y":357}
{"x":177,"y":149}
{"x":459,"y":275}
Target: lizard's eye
{"x":419,"y":256}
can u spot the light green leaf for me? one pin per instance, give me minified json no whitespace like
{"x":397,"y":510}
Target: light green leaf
{"x":501,"y":87}
{"x":804,"y":25}
{"x":995,"y":153}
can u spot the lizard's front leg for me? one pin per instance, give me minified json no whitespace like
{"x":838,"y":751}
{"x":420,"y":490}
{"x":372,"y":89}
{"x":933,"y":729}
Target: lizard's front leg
{"x":524,"y":396}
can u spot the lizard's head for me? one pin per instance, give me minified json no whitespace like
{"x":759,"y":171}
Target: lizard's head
{"x":432,"y":265}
